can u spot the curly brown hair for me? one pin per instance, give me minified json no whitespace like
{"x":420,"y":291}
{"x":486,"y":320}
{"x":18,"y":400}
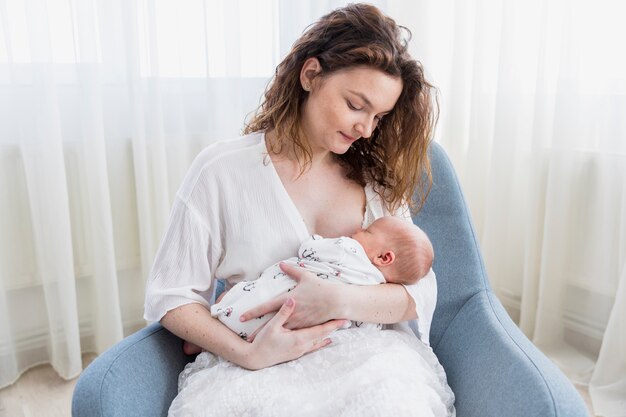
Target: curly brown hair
{"x":395,"y":157}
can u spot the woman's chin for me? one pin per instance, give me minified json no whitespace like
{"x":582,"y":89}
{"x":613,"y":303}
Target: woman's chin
{"x":340,"y":151}
{"x":341,"y":148}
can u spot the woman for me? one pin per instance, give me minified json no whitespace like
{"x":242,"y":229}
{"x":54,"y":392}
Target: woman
{"x":340,"y":140}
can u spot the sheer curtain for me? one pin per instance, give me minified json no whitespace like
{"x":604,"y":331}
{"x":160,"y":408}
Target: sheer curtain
{"x":533,"y":98}
{"x":103,"y":105}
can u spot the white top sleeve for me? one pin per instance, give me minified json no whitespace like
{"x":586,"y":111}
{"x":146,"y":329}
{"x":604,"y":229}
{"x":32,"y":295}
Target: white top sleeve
{"x":424,"y":293}
{"x":184,"y":266}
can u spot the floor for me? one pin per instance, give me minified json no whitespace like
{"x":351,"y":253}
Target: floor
{"x":40,"y":392}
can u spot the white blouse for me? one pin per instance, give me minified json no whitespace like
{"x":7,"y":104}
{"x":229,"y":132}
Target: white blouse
{"x":231,"y":219}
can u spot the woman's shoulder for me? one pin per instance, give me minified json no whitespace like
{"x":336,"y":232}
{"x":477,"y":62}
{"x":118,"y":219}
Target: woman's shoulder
{"x":228,"y":149}
{"x":221,"y":157}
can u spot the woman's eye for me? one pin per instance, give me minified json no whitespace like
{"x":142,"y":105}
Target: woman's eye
{"x":352,"y":106}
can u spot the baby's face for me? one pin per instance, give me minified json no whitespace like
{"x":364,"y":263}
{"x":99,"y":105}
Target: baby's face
{"x":373,"y":239}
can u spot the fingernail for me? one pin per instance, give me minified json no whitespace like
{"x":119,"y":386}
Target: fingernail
{"x":289,"y":302}
{"x":242,"y":318}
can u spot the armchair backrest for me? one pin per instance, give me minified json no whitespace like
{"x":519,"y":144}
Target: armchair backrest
{"x":458,"y":263}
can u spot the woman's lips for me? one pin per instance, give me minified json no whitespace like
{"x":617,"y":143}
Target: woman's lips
{"x":347,"y":138}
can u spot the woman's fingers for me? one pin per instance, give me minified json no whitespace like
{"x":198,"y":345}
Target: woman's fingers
{"x":283,"y":314}
{"x":318,"y":335}
{"x":265,"y":308}
{"x":293,"y":271}
{"x":277,"y":344}
{"x":320,"y":331}
{"x":320,"y":344}
{"x":273,"y":305}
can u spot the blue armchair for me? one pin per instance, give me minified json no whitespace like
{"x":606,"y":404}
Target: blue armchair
{"x":493,"y":369}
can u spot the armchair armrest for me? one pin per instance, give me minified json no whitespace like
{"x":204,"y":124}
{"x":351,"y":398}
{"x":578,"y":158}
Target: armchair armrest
{"x":494,"y":370}
{"x":136,"y":377}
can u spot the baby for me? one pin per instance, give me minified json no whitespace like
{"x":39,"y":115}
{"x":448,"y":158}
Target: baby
{"x":389,"y":250}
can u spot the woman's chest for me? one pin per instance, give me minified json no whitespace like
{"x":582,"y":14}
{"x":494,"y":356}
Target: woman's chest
{"x":330,"y":207}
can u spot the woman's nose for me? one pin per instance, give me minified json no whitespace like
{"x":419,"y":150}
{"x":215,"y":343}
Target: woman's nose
{"x":366,"y":127}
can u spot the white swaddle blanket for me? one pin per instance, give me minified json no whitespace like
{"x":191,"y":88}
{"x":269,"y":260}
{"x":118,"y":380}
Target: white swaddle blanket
{"x":340,"y":259}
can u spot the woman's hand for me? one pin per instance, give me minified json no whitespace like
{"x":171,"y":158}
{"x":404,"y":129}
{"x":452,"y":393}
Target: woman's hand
{"x":314,"y":296}
{"x":275,"y":344}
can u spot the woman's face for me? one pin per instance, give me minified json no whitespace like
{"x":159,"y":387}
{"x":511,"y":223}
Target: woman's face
{"x":346,"y":106}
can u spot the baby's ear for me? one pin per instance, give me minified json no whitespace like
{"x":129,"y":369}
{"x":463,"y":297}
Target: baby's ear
{"x":385,"y":258}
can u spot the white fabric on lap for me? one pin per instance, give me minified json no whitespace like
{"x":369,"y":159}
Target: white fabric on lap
{"x":363,"y":373}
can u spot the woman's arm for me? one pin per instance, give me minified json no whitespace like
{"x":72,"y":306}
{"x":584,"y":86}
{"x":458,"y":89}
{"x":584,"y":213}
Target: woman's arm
{"x":320,"y":300}
{"x":274,"y":344}
{"x":384,"y":303}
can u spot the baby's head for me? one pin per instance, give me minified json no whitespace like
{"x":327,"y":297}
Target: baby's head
{"x":398,"y":248}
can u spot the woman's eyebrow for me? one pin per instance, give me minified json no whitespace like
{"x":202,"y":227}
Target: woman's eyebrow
{"x":368,"y":103}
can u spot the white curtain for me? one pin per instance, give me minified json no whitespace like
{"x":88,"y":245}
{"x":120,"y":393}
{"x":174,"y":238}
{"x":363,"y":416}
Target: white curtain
{"x":103,"y":105}
{"x":533,"y":99}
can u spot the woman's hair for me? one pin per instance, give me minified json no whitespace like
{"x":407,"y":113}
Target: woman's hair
{"x":394,"y":159}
